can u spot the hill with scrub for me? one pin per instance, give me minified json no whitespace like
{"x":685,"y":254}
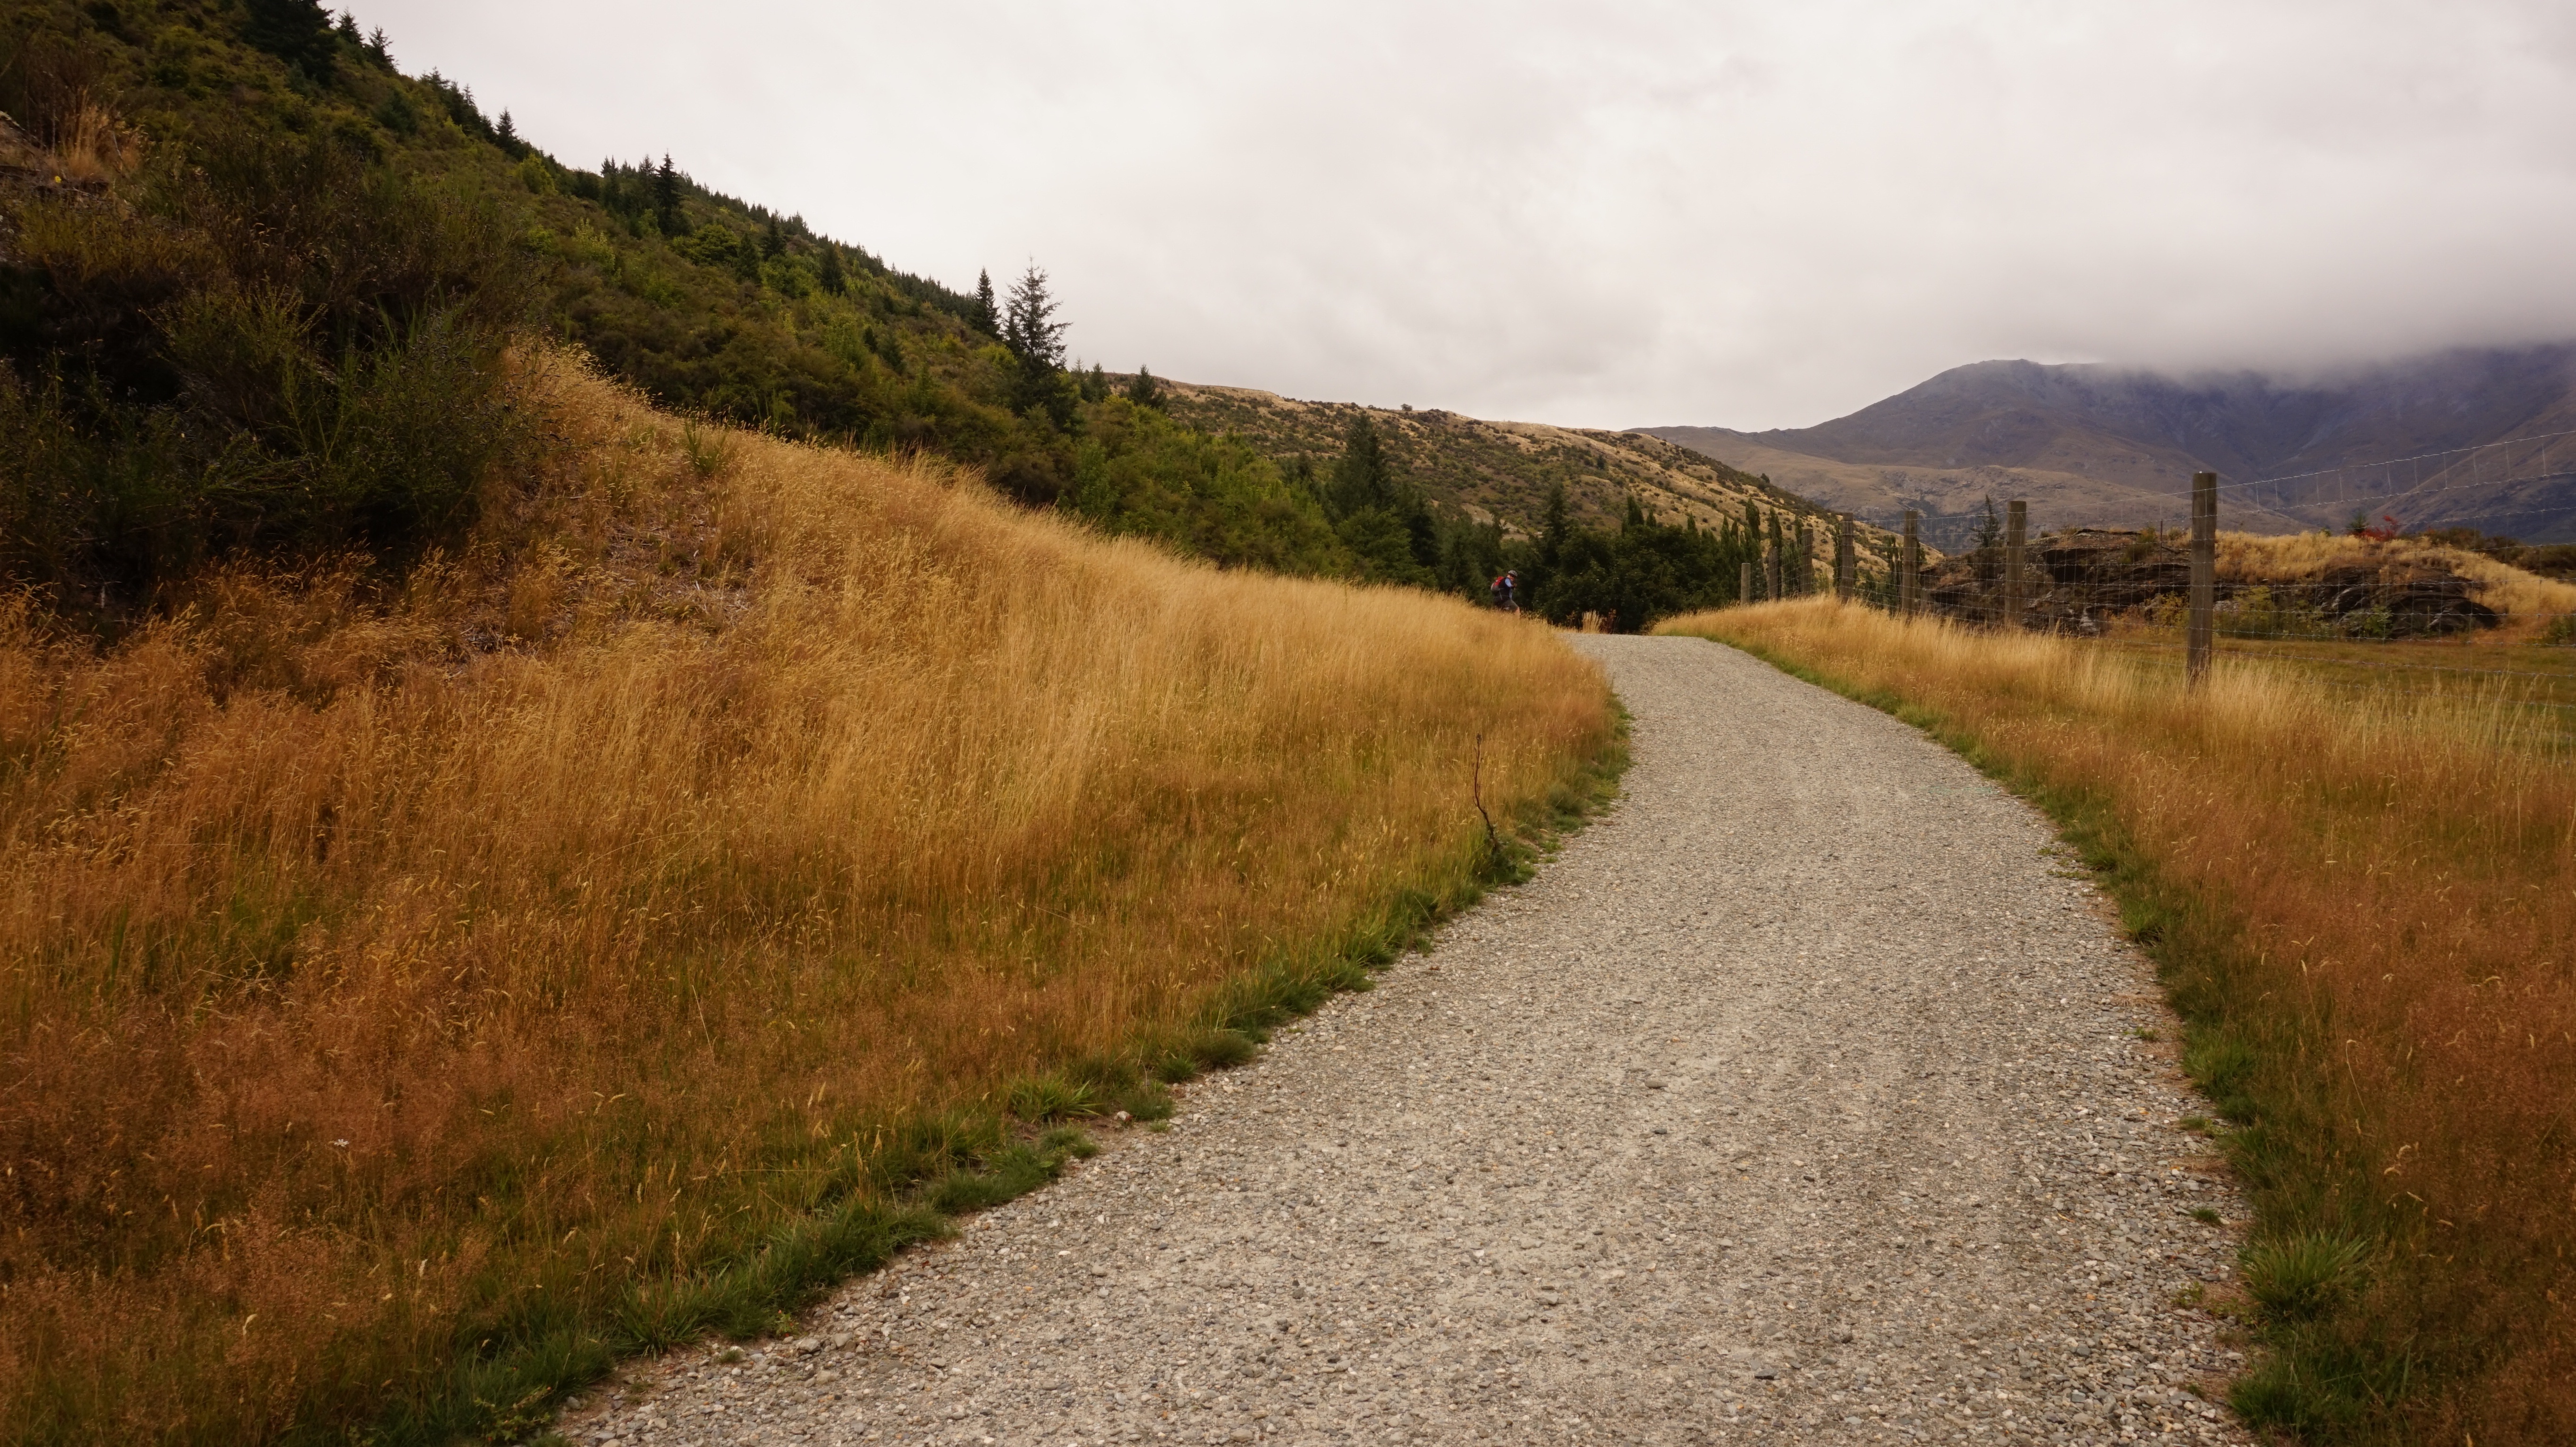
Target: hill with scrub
{"x":578,"y":760}
{"x":238,"y":241}
{"x":1616,"y":523}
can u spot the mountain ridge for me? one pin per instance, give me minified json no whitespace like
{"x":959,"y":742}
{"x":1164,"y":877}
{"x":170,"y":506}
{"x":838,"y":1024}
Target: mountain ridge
{"x":2105,"y":444}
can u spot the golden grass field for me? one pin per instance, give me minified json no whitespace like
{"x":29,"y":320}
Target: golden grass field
{"x":390,"y":972}
{"x":2527,"y":600}
{"x":2365,"y":905}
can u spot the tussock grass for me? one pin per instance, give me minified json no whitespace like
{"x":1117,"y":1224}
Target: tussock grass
{"x":414,"y":992}
{"x":2364,"y":907}
{"x":2527,"y":600}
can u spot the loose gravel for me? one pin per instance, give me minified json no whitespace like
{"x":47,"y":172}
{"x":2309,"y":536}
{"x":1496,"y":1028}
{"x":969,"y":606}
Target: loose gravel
{"x":1807,"y":1096}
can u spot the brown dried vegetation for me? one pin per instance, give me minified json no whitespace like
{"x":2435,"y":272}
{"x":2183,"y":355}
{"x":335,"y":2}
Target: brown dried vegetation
{"x":383,"y":964}
{"x":2366,"y":908}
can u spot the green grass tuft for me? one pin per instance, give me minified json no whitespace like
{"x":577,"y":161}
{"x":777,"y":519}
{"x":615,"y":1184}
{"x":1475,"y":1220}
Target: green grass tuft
{"x":2304,"y":1276}
{"x":1044,"y":1098}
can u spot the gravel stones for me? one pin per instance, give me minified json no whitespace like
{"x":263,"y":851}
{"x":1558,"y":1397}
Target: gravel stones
{"x":1802,"y":1098}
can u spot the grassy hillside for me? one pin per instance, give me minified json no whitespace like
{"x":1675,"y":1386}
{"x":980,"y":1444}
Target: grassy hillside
{"x":1622,"y":526}
{"x":418,"y":986}
{"x":1502,"y":472}
{"x":255,"y":283}
{"x":2362,"y":902}
{"x":501,"y":866}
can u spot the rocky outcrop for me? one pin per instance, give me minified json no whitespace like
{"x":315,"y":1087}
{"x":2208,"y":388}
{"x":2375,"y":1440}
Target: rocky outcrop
{"x":2084,"y":578}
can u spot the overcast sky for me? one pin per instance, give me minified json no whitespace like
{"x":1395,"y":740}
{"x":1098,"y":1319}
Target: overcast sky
{"x":1750,"y":215}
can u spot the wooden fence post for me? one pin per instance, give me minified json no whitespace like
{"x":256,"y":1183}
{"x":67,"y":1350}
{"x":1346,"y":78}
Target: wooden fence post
{"x":1744,"y":583}
{"x":1777,"y":549}
{"x":2204,"y":575}
{"x":1910,"y":566}
{"x":2016,"y":529}
{"x":1844,"y":563}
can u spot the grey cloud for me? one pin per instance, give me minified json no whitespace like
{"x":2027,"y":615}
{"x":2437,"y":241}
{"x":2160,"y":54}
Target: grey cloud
{"x":1753,"y":215}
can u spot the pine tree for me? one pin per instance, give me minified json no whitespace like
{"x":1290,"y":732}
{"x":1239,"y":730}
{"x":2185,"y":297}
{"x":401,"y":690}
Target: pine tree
{"x":1143,"y":390}
{"x":666,"y":197}
{"x":1029,"y":327}
{"x":1036,"y":342}
{"x":379,"y":47}
{"x":834,"y":280}
{"x":773,"y":242}
{"x":1361,"y":479}
{"x":985,"y":318}
{"x":1553,"y":527}
{"x":1990,"y":528}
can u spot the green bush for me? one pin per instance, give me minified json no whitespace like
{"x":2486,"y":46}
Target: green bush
{"x":287,"y":344}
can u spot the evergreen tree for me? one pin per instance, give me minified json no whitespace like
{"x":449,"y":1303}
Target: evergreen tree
{"x":1029,"y":327}
{"x":835,"y":281}
{"x":1036,"y":342}
{"x":298,"y":32}
{"x":380,"y":48}
{"x":1143,"y":390}
{"x":1636,"y":514}
{"x":1553,"y":528}
{"x":773,"y":242}
{"x":985,"y":318}
{"x":1990,"y":528}
{"x":1362,"y":479}
{"x":666,"y":197}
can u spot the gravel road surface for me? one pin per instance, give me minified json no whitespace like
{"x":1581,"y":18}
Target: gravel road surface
{"x":1808,"y":1096}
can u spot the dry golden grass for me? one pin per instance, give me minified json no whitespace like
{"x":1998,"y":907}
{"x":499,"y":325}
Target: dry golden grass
{"x":373,"y":965}
{"x":2367,"y":907}
{"x":2527,"y":600}
{"x":99,"y":147}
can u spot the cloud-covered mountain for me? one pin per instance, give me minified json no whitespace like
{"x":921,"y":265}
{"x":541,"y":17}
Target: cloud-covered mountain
{"x":2457,"y":438}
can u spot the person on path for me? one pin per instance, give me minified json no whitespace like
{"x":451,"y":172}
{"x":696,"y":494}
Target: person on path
{"x":1507,"y":592}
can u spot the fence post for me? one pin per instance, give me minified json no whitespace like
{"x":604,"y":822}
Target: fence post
{"x":1844,"y":563}
{"x":2016,"y":529}
{"x":1744,"y":583}
{"x":1910,"y":566}
{"x":2204,"y":574}
{"x":1777,"y":549}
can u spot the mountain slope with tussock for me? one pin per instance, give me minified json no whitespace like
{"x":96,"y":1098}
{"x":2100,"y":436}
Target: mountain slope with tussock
{"x":1501,"y":472}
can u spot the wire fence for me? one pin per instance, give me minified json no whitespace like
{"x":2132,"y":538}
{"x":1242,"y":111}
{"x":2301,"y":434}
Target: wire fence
{"x":2378,"y":623}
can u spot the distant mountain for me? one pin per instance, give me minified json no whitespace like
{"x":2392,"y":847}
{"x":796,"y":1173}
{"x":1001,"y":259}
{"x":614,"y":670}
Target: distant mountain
{"x":2450,"y":439}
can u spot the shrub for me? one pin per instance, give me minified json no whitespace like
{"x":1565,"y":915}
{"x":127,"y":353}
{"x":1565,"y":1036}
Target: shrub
{"x":287,"y":345}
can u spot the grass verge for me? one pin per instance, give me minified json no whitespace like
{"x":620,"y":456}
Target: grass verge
{"x":962,"y":1164}
{"x":2363,"y":912}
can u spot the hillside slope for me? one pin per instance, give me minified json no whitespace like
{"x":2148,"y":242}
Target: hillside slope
{"x":254,"y":282}
{"x":1501,"y":472}
{"x":421,"y":986}
{"x":2117,"y":446}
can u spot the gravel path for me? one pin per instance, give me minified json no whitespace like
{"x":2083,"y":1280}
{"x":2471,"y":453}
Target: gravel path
{"x":1808,"y":1096}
